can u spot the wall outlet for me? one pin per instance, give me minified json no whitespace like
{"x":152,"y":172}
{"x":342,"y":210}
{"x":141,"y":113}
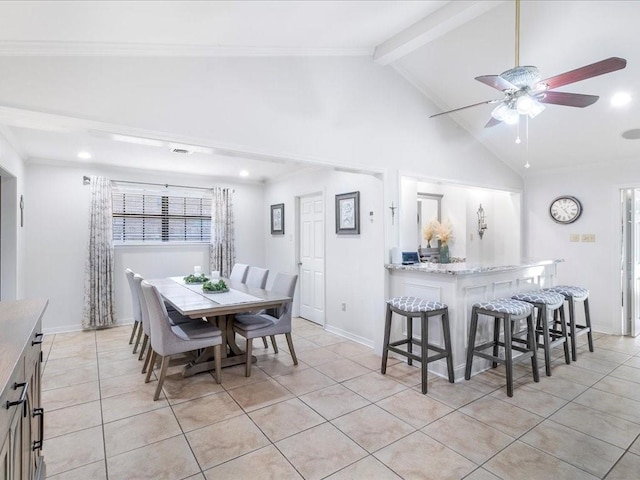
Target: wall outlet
{"x":574,"y":237}
{"x":343,"y":307}
{"x":589,"y":237}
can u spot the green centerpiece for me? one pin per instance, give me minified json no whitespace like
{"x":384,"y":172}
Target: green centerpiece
{"x":215,"y":287}
{"x":196,"y":278}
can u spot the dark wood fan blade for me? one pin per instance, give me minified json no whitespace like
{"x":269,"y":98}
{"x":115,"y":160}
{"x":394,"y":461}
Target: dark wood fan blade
{"x":588,"y":71}
{"x":492,"y":123}
{"x":497,"y":82}
{"x":465,"y":107}
{"x":568,"y":99}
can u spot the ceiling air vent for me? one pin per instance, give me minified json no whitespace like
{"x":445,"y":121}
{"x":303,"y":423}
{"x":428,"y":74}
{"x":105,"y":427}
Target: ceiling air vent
{"x":182,"y":151}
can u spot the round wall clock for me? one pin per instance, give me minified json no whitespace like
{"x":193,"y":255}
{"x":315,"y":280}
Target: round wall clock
{"x":565,"y":209}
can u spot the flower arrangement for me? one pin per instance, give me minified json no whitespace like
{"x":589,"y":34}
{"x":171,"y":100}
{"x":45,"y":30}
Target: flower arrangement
{"x":444,"y":232}
{"x":429,"y":231}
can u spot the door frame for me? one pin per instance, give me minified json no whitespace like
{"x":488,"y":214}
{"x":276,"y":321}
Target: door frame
{"x":629,"y":243}
{"x":298,"y":230}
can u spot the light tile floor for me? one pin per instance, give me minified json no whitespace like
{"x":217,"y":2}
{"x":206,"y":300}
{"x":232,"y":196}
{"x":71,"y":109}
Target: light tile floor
{"x":334,"y":416}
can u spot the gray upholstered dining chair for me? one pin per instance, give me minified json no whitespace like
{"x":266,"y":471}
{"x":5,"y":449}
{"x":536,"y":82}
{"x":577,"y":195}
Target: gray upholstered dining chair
{"x":175,"y":318}
{"x":137,"y":314}
{"x":252,"y":326}
{"x":168,"y":340}
{"x":238,"y":273}
{"x":257,"y":278}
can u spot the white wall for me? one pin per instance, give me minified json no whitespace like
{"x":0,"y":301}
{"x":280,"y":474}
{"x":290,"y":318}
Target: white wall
{"x":343,"y":111}
{"x":354,"y":264}
{"x":57,"y":234}
{"x":12,"y":236}
{"x":592,"y":265}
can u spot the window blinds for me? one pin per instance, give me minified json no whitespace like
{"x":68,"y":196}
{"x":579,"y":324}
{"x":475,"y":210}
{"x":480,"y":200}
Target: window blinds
{"x":158,"y":214}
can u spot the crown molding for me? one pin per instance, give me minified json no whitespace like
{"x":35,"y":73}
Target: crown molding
{"x":107,"y":49}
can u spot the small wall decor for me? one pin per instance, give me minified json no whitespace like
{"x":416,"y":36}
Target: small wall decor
{"x":482,"y":222}
{"x":348,"y":213}
{"x":21,"y":211}
{"x":277,"y":219}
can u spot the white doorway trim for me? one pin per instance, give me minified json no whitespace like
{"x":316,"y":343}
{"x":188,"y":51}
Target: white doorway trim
{"x":310,"y":256}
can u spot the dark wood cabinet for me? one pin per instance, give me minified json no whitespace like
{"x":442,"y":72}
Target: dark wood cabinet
{"x":21,"y":413}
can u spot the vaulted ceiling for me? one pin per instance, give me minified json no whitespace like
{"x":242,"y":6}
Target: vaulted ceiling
{"x":438,"y":46}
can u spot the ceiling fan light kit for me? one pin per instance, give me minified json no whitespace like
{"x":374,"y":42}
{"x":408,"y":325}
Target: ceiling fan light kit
{"x":525,"y":94}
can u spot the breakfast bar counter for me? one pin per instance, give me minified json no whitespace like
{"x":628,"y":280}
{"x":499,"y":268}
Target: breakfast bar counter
{"x":460,"y":285}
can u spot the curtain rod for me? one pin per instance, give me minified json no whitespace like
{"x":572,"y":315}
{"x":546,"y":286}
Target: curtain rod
{"x":86,"y":181}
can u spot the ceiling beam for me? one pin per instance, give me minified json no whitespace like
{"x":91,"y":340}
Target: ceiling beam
{"x":443,"y":20}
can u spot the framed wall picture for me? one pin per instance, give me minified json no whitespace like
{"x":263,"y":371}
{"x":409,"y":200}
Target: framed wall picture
{"x":277,"y":219}
{"x":348,"y":213}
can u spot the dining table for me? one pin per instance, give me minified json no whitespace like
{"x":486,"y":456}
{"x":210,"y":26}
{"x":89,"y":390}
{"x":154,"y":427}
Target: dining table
{"x":218,"y":309}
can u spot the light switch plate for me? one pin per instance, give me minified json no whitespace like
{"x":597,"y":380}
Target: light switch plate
{"x":574,"y":237}
{"x":589,"y":237}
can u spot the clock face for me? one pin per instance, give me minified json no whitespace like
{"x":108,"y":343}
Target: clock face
{"x":565,"y":209}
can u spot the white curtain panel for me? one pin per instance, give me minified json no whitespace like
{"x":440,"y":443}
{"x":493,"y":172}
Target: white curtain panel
{"x":98,"y":311}
{"x":222,"y":251}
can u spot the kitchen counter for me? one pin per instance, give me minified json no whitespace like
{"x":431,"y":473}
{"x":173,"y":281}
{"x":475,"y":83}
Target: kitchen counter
{"x":459,"y":286}
{"x":465,"y":268}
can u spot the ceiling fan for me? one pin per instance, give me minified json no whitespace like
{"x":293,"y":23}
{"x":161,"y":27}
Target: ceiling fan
{"x":524,"y":93}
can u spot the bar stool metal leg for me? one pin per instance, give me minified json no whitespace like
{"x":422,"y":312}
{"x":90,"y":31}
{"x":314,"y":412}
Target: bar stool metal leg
{"x":424,"y":348}
{"x":385,"y":342}
{"x":409,"y":339}
{"x":471,"y":345}
{"x":532,"y":346}
{"x":508,"y":360}
{"x":587,"y":320}
{"x":447,"y":344}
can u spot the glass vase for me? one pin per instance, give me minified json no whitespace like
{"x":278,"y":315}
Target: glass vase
{"x":444,"y":253}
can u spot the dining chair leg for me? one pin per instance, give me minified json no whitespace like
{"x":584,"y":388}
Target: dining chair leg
{"x":264,"y":341}
{"x":145,"y":366}
{"x":273,"y":342}
{"x":291,"y":349}
{"x":152,"y":362}
{"x":133,"y":331}
{"x":163,"y":373}
{"x":217,"y":353}
{"x":248,"y":354}
{"x":144,"y":345}
{"x":138,"y":338}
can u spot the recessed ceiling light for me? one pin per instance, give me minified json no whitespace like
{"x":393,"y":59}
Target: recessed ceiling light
{"x":620,"y":99}
{"x":84,"y":155}
{"x":633,"y":134}
{"x":244,"y":173}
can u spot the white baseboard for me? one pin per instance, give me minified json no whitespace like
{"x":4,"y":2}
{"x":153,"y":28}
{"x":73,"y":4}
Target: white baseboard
{"x":78,"y":327}
{"x":350,"y":336}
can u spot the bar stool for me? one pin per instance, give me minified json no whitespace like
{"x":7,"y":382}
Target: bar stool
{"x":574,"y":294}
{"x":544,"y":302}
{"x":509,"y":311}
{"x":412,"y":307}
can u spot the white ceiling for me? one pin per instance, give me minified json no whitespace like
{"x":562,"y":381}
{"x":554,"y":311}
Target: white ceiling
{"x":439,"y":46}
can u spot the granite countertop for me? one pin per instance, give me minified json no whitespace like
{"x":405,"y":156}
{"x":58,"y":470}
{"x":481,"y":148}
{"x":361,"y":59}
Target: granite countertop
{"x":466,"y":268}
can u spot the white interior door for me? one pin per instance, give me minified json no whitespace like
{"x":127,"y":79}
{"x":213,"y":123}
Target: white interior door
{"x":311,"y":262}
{"x":631,"y":261}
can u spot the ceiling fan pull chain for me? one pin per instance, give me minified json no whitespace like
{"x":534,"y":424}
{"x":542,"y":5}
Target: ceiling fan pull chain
{"x":527,"y":165}
{"x":518,"y":132}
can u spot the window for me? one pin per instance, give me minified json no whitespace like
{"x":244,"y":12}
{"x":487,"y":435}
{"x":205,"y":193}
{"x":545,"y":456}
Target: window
{"x":158,"y":214}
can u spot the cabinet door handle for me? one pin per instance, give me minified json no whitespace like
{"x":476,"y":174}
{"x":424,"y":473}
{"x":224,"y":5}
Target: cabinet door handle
{"x":23,"y":395}
{"x":37,"y":444}
{"x":39,"y":338}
